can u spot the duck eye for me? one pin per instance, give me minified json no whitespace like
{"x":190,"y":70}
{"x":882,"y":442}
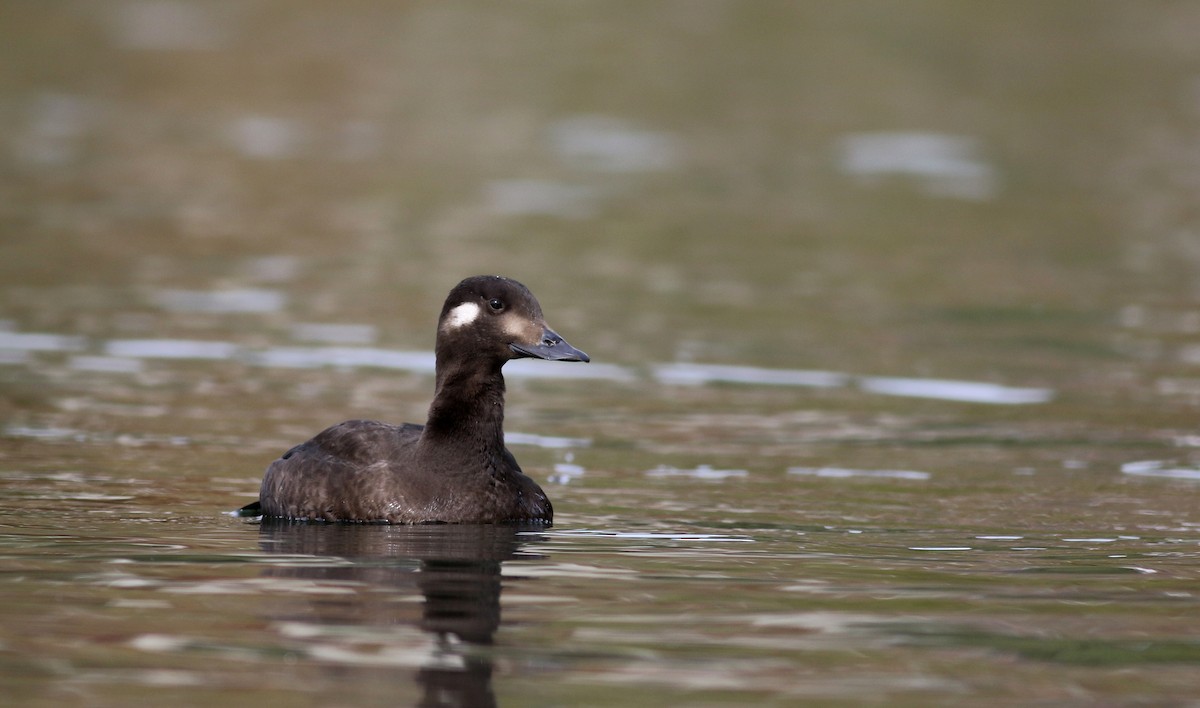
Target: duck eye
{"x":495,"y":304}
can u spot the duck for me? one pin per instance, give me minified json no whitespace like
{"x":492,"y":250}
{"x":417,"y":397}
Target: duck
{"x":453,"y":469}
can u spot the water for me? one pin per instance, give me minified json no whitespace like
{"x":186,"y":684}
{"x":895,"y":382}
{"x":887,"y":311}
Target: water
{"x":893,"y":317}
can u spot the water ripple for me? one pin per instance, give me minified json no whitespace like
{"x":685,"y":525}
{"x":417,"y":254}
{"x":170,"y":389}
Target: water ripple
{"x":841,"y":472}
{"x":648,"y":535}
{"x":170,"y":349}
{"x":943,"y":165}
{"x":705,"y":472}
{"x":696,"y":374}
{"x":1159,"y":468}
{"x":954,"y":390}
{"x":238,"y":300}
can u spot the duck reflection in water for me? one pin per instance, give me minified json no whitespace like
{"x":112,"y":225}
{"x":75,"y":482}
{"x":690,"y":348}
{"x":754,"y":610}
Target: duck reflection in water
{"x":455,"y":568}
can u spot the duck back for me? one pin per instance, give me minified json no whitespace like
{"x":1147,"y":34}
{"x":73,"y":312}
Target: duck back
{"x":368,"y":471}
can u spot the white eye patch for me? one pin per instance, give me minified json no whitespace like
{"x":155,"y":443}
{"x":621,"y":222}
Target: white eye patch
{"x":461,"y":315}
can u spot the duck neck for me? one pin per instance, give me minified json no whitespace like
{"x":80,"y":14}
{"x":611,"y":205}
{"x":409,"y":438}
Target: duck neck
{"x":468,"y":406}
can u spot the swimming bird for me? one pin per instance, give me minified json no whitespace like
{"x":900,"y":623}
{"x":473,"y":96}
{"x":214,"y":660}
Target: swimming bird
{"x":453,"y":469}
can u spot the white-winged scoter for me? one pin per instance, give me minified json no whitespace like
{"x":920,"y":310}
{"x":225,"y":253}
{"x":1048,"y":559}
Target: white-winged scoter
{"x":453,"y":469}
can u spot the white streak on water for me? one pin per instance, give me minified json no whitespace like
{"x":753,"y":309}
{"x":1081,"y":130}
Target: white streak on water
{"x":171,"y":349}
{"x":705,"y":472}
{"x":1159,"y":468}
{"x":537,"y":369}
{"x":564,"y":472}
{"x":24,"y":431}
{"x":267,"y":137}
{"x":944,"y":165}
{"x":643,"y":535}
{"x":238,"y":300}
{"x":605,"y":144}
{"x":39,"y":342}
{"x":841,"y":473}
{"x":521,"y":197}
{"x":166,"y":25}
{"x":550,"y":442}
{"x":158,"y":643}
{"x":696,"y":374}
{"x":344,"y":357}
{"x":687,"y":374}
{"x":954,"y":390}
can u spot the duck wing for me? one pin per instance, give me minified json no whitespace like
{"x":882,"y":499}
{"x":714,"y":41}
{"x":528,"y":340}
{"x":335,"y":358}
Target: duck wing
{"x":338,"y":474}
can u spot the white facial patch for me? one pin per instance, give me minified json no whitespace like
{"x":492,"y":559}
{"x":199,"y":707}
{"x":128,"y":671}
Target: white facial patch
{"x":461,"y":315}
{"x":516,"y":328}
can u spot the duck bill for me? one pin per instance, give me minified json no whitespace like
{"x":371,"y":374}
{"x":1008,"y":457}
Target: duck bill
{"x":551,"y":347}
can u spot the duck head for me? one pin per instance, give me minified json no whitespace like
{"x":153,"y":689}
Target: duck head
{"x":497,"y":316}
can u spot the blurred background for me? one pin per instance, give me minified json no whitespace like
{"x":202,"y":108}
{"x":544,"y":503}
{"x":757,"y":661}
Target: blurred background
{"x":996,"y":191}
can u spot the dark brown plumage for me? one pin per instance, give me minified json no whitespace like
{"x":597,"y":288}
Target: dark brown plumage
{"x":453,"y":469}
